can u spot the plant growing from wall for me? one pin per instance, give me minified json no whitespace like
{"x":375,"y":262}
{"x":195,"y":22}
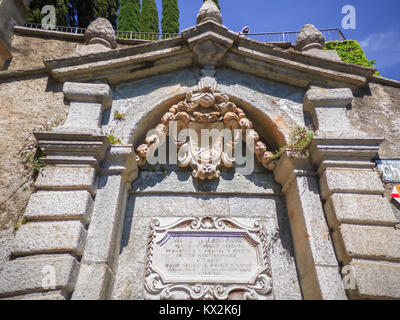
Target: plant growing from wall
{"x":298,"y":147}
{"x":119,"y":116}
{"x":113,"y":139}
{"x":19,"y":223}
{"x":34,"y":158}
{"x":129,"y":16}
{"x":350,"y":51}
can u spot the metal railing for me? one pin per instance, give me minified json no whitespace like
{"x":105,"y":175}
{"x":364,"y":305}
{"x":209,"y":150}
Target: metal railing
{"x":290,"y":36}
{"x":149,"y":36}
{"x":56,"y":28}
{"x":145,"y":35}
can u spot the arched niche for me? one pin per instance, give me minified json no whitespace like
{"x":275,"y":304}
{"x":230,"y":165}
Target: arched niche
{"x":172,"y":193}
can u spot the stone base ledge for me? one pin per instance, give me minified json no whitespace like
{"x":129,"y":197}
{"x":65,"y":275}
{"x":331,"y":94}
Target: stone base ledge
{"x":49,"y":296}
{"x":60,"y":205}
{"x":50,"y":237}
{"x":376,"y":280}
{"x":369,"y":242}
{"x":27,"y":275}
{"x":338,"y":180}
{"x":67,"y":178}
{"x":358,"y":209}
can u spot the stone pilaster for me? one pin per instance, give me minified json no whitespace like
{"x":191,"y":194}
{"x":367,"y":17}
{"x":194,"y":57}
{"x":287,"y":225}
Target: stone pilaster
{"x":315,"y":258}
{"x":52,"y":241}
{"x":102,"y":247}
{"x":360,"y":218}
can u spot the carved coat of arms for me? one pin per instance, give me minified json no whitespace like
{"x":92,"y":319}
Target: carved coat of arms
{"x":227,"y":126}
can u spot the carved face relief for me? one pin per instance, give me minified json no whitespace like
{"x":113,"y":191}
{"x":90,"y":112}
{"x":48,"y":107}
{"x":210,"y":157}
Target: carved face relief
{"x":213,"y":113}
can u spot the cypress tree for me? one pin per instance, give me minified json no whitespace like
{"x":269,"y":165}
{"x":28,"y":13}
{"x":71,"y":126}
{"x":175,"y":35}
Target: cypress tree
{"x":105,"y":9}
{"x":149,"y":18}
{"x":170,"y":16}
{"x":129,"y":16}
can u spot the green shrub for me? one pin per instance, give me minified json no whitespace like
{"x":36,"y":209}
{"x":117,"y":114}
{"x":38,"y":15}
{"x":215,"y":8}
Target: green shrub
{"x":351,"y":52}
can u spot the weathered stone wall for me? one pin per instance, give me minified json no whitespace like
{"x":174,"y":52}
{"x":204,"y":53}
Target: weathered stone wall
{"x":27,"y":104}
{"x":375,"y":110}
{"x":31,"y":52}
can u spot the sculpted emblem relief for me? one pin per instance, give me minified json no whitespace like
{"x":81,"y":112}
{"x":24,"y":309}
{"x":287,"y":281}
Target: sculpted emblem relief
{"x":206,"y":155}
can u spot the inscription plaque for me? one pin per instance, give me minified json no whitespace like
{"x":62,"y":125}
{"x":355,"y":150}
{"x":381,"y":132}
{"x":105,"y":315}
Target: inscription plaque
{"x":207,"y":258}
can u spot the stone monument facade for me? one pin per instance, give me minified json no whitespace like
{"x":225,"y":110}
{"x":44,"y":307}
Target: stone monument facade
{"x":105,"y":223}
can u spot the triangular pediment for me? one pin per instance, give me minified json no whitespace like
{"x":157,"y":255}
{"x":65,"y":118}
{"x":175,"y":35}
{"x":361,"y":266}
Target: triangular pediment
{"x":209,"y":44}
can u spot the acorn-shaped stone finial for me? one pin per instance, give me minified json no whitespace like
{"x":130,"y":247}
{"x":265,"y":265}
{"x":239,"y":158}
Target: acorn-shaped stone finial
{"x":209,"y":11}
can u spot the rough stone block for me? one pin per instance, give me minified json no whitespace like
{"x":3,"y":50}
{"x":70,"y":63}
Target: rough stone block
{"x":375,"y":242}
{"x":29,"y":275}
{"x":67,"y":178}
{"x":50,"y":237}
{"x":358,"y":208}
{"x":60,"y":205}
{"x":92,"y":282}
{"x":350,"y":181}
{"x":376,"y":279}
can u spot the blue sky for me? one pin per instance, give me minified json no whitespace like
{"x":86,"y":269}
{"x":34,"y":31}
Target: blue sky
{"x":377,"y":24}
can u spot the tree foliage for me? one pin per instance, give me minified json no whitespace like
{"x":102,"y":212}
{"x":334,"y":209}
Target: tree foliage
{"x":129,"y":16}
{"x":170,"y":16}
{"x":35,"y":11}
{"x":350,"y":51}
{"x":75,"y":13}
{"x":149,"y":17}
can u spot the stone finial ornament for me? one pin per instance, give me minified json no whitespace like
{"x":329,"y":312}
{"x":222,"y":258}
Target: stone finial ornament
{"x":209,"y":11}
{"x":309,"y":37}
{"x":102,"y":32}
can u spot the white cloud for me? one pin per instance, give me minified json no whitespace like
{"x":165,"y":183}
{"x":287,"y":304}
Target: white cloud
{"x":379,"y":41}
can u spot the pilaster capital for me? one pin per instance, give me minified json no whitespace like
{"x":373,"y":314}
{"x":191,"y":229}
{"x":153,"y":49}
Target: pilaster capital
{"x":73,"y":148}
{"x":88,"y":92}
{"x":121,"y":160}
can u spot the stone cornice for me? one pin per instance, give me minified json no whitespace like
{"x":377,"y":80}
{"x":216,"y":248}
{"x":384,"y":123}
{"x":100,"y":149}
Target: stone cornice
{"x":231,"y":50}
{"x":354,"y":152}
{"x":73,"y":148}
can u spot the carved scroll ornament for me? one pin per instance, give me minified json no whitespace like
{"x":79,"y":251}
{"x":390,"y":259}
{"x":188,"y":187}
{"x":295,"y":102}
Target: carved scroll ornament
{"x":206,"y":110}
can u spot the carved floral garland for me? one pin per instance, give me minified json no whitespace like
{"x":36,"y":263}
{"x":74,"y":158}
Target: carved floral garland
{"x":212,"y":110}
